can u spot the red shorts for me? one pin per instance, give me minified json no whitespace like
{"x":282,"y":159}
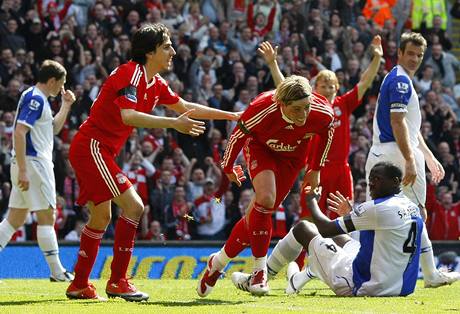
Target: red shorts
{"x":286,"y":170}
{"x":99,"y":177}
{"x":333,"y":177}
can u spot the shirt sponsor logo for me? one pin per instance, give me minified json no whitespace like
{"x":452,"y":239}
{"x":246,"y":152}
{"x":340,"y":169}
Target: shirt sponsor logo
{"x":402,"y":87}
{"x":280,"y":147}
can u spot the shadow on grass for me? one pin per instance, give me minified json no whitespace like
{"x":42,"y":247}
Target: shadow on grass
{"x":196,"y":302}
{"x":53,"y":301}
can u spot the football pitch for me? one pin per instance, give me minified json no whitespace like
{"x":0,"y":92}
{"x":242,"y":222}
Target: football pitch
{"x":179,"y":296}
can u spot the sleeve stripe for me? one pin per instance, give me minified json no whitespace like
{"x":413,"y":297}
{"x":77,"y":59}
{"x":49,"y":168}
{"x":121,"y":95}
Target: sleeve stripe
{"x":136,"y":76}
{"x":330,"y":135}
{"x":258,"y":117}
{"x":322,"y":109}
{"x":233,"y":139}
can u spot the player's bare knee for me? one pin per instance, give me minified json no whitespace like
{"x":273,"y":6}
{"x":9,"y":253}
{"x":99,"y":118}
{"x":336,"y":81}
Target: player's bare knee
{"x":266,"y":200}
{"x":304,"y":231}
{"x":17,"y":217}
{"x":134,"y":211}
{"x":46,"y":217}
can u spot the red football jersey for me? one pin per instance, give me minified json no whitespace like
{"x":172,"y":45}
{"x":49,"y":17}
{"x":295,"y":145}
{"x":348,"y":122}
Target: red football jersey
{"x":125,"y":88}
{"x":264,"y":124}
{"x":343,"y":107}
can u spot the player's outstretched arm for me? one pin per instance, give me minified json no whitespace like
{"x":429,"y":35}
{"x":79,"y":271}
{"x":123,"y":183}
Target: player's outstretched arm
{"x":368,"y":76}
{"x":204,"y":112}
{"x":326,"y":227}
{"x":68,"y":98}
{"x":269,"y":54}
{"x":183,"y":123}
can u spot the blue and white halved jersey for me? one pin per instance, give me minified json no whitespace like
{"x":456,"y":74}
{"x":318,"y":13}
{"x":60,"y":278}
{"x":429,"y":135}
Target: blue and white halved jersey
{"x":397,"y":94}
{"x":388,"y":260}
{"x":35,"y":112}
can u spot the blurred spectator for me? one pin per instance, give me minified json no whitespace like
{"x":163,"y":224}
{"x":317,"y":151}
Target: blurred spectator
{"x":209,"y":214}
{"x":154,"y":233}
{"x":444,"y":215}
{"x":444,"y":65}
{"x":75,"y":233}
{"x":177,"y":216}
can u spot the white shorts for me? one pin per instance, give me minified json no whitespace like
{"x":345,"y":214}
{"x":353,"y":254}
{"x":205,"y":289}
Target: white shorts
{"x":390,"y":152}
{"x":42,"y":186}
{"x":333,"y":264}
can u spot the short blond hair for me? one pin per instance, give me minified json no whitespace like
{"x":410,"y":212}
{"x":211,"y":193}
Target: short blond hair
{"x":293,"y":88}
{"x":327,"y":76}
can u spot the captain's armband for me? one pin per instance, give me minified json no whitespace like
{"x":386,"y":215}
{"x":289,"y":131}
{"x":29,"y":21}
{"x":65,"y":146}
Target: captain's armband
{"x":243,"y":128}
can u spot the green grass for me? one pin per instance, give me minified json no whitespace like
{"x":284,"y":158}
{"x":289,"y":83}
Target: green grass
{"x":179,"y":296}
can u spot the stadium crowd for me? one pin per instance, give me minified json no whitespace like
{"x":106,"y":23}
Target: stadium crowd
{"x":217,"y":65}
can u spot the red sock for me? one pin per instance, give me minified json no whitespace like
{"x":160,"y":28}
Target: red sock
{"x":238,"y":239}
{"x":125,"y":232}
{"x":260,"y":230}
{"x":89,"y":247}
{"x":300,"y":260}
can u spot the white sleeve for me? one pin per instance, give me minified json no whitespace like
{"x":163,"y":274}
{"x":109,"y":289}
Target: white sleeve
{"x":362,"y":217}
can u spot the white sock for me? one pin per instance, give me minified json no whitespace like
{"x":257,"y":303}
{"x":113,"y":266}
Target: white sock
{"x":301,"y":278}
{"x":285,"y":251}
{"x":6,"y":232}
{"x":221,"y":260}
{"x":46,"y":238}
{"x":426,"y":257}
{"x":260,"y":263}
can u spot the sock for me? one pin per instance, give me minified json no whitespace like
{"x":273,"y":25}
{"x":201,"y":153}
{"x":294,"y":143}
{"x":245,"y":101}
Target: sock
{"x":285,"y":251}
{"x":238,"y":239}
{"x":89,"y":247}
{"x":47,"y":241}
{"x":125,"y":232}
{"x":221,"y":260}
{"x":300,"y":260}
{"x":6,"y":232}
{"x":260,"y":230}
{"x":426,"y":257}
{"x":301,"y":278}
{"x":260,"y":263}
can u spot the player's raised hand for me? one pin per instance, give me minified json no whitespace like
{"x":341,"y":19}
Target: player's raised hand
{"x":339,"y":204}
{"x":376,"y":44}
{"x":267,"y":52}
{"x":410,"y":173}
{"x":23,"y":180}
{"x":68,"y":97}
{"x":189,"y":126}
{"x":237,"y":175}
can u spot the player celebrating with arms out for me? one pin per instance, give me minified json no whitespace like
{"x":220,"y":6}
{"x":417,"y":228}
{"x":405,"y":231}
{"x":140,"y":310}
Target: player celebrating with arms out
{"x":274,"y":132}
{"x":32,"y":176}
{"x":126,"y":98}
